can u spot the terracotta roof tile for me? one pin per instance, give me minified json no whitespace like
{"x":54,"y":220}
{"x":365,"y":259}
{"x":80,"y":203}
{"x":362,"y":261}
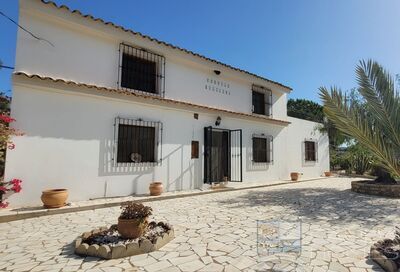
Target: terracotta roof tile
{"x":162,"y":42}
{"x":165,"y":101}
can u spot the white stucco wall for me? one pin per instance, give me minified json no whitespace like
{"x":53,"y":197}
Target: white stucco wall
{"x":69,"y":136}
{"x":87,"y":52}
{"x":297,"y":132}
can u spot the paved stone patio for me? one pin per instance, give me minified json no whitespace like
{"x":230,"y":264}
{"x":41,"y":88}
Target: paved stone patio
{"x":217,"y":232}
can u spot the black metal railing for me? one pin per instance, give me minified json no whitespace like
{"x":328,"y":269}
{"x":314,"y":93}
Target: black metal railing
{"x":140,"y":70}
{"x":222,"y":155}
{"x":137,"y":142}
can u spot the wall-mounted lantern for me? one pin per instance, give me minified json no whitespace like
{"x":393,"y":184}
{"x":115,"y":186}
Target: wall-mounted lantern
{"x":218,"y":121}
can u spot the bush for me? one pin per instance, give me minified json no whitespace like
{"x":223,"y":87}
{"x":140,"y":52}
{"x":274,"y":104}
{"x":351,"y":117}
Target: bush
{"x":133,"y":210}
{"x":359,"y":158}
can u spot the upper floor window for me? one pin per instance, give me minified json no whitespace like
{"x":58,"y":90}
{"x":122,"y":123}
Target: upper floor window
{"x":141,"y":70}
{"x":310,"y":148}
{"x":262,"y":100}
{"x":262,"y":148}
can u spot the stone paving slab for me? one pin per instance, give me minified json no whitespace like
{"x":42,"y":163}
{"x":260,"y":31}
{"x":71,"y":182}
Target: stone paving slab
{"x":19,"y":213}
{"x":217,"y":232}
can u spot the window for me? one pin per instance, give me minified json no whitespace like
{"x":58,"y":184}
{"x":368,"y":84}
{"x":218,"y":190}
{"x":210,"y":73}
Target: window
{"x":195,"y":149}
{"x":141,"y":70}
{"x":138,"y":74}
{"x":310,"y":151}
{"x":137,"y":141}
{"x":262,"y":100}
{"x":258,"y":103}
{"x":262,"y":149}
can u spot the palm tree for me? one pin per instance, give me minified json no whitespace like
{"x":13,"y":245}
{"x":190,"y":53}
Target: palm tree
{"x":375,"y":123}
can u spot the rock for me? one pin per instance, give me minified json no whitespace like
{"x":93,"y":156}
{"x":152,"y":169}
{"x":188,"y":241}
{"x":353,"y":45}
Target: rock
{"x":78,"y":242}
{"x":383,"y":261}
{"x":146,"y":246}
{"x":118,"y":252}
{"x":93,"y":250}
{"x":82,"y":249}
{"x":171,"y":234}
{"x":159,"y":243}
{"x":85,"y":235}
{"x":104,"y":252}
{"x":133,"y":249}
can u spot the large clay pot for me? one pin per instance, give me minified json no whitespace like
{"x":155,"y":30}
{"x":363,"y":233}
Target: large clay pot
{"x":156,"y":188}
{"x":131,"y":228}
{"x":294,"y":176}
{"x":54,"y":198}
{"x":328,"y":174}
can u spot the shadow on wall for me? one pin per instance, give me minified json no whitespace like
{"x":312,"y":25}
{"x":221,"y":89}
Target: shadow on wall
{"x":174,"y":175}
{"x":336,"y":206}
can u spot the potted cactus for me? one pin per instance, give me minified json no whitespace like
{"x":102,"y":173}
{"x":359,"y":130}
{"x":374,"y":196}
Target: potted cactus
{"x":133,"y":220}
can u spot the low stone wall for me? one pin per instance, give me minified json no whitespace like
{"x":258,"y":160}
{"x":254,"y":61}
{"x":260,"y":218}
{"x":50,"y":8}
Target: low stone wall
{"x":115,"y":251}
{"x":361,"y":186}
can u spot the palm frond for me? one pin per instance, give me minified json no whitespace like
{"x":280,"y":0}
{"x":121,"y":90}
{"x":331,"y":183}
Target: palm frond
{"x":356,"y":122}
{"x":378,"y":89}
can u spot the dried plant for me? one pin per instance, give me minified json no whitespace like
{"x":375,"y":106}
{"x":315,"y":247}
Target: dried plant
{"x":133,"y":210}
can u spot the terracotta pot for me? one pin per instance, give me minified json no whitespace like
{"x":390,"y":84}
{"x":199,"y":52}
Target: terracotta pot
{"x":328,"y":174}
{"x":294,"y":176}
{"x":132,"y":228}
{"x":54,"y":198}
{"x":156,"y":188}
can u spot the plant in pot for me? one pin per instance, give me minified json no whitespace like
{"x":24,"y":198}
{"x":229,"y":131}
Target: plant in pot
{"x":54,"y":198}
{"x":133,"y":220}
{"x":156,"y":188}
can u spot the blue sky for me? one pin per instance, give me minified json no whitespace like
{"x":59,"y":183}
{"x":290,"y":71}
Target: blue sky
{"x":304,"y":44}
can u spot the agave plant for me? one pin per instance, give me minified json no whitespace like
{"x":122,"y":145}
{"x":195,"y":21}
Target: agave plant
{"x":375,"y":123}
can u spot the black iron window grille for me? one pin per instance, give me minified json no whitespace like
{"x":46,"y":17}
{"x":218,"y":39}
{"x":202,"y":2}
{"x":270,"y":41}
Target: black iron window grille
{"x":263,"y":148}
{"x":310,"y":151}
{"x":262,"y":100}
{"x":137,"y":142}
{"x":141,"y":70}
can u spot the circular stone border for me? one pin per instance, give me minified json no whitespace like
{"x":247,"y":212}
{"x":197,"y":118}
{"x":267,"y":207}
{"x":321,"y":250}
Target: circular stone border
{"x":119,"y":251}
{"x":362,"y":187}
{"x":386,"y":263}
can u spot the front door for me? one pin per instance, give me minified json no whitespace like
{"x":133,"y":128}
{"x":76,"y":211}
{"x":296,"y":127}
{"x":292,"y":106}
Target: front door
{"x":222,"y":155}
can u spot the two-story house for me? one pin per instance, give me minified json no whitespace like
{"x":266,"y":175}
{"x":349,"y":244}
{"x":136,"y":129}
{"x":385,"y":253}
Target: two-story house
{"x":106,"y":110}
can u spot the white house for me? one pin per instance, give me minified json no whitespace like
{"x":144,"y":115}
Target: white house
{"x":106,"y":110}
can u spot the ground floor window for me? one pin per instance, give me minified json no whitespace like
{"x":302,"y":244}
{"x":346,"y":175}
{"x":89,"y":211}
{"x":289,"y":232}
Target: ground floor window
{"x":310,"y":148}
{"x":137,"y":141}
{"x":262,"y":148}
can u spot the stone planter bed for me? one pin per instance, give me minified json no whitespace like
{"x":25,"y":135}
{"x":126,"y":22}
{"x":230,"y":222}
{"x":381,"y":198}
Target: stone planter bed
{"x":106,"y":242}
{"x":385,"y":253}
{"x":366,"y":187}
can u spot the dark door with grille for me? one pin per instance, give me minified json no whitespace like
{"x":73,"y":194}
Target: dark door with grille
{"x":222,"y":154}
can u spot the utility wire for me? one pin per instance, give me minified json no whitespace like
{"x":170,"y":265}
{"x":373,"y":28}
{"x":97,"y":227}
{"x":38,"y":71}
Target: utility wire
{"x":7,"y":67}
{"x":26,"y":30}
